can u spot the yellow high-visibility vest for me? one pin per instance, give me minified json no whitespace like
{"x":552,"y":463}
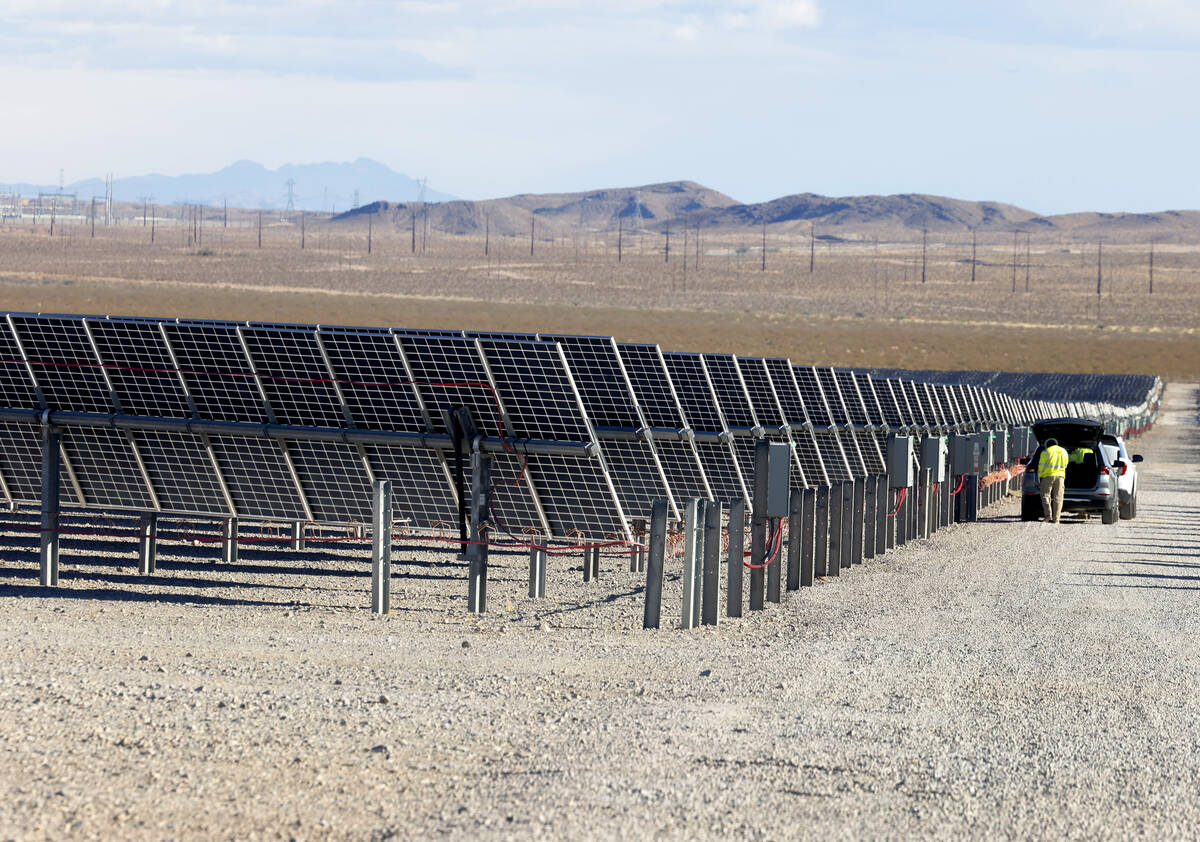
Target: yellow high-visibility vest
{"x":1053,"y":462}
{"x":1078,"y":454}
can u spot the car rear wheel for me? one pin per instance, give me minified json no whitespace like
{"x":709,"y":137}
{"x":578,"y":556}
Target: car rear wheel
{"x":1109,"y":515}
{"x":1129,"y":510}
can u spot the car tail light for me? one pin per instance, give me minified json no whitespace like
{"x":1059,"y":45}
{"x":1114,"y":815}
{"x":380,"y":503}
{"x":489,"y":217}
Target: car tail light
{"x":1104,"y":470}
{"x":1124,"y":468}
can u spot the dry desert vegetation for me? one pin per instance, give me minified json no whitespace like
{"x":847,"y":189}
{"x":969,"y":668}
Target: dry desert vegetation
{"x":863,"y":303}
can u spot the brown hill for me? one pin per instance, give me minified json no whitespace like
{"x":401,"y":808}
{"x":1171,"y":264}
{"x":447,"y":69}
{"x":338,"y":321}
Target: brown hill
{"x":654,"y":207}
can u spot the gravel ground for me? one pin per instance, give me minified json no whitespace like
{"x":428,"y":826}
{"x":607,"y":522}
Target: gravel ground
{"x":1001,"y":680}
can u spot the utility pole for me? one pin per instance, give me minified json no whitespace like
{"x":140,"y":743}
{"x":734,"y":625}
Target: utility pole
{"x":1014,"y":263}
{"x":764,"y":244}
{"x":303,"y":218}
{"x":974,"y":262}
{"x":1152,"y":267}
{"x":619,"y":232}
{"x":1099,"y":277}
{"x":924,"y":247}
{"x":697,"y":246}
{"x":153,"y":220}
{"x":532,"y":222}
{"x":413,"y":210}
{"x":225,"y":214}
{"x":812,"y":246}
{"x":1027,"y":261}
{"x":487,"y":234}
{"x":686,"y":224}
{"x":370,"y":218}
{"x":93,"y":217}
{"x":667,"y":247}
{"x":260,"y":229}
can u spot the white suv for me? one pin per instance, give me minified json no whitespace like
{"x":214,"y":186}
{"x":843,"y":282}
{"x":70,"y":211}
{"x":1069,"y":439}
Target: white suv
{"x":1114,"y":448}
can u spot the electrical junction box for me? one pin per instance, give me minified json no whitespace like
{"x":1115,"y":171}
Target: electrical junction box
{"x":933,"y":457}
{"x":779,"y":492}
{"x":1022,"y":444}
{"x":965,"y":455}
{"x":986,"y":449}
{"x":1000,"y":447}
{"x":900,"y":461}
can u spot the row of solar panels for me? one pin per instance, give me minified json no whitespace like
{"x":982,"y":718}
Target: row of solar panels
{"x":294,"y":422}
{"x":1121,"y":392}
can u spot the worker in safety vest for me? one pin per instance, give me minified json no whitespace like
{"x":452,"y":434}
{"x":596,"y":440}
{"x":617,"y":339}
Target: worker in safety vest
{"x":1052,"y":478}
{"x":1079,"y":454}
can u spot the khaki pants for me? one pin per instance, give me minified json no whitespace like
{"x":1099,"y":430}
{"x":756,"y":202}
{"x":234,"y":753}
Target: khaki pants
{"x":1052,"y":497}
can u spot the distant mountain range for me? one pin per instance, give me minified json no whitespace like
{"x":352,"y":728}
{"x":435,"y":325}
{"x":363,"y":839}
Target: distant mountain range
{"x":328,"y":187}
{"x":331,"y":188}
{"x":657,"y":207}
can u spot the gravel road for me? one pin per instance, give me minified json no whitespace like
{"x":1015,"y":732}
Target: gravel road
{"x":1005,"y":680}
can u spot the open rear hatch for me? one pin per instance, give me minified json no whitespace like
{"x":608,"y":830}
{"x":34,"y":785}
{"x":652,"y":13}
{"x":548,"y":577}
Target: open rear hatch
{"x":1073,"y":433}
{"x":1070,"y":432}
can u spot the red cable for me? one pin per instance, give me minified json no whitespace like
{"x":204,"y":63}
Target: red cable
{"x":899,"y":502}
{"x":958,"y":487}
{"x":777,"y":540}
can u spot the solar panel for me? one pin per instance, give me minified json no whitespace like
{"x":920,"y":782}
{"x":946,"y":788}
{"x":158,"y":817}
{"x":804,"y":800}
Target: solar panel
{"x":795,"y":412}
{"x":216,"y":372}
{"x":660,"y":407}
{"x":181,"y":473}
{"x":607,"y":396}
{"x":21,"y":465}
{"x":259,"y":478}
{"x":829,"y":441}
{"x":107,"y":469}
{"x":140,"y":368}
{"x":699,"y":404}
{"x":294,"y":377}
{"x":769,"y":412}
{"x":64,"y":363}
{"x":814,"y":397}
{"x":16,"y":386}
{"x":374,"y":381}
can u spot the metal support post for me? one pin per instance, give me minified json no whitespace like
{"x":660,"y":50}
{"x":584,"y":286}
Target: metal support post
{"x":381,"y":547}
{"x":229,"y":536}
{"x":870,"y":516}
{"x":860,"y":517}
{"x":947,"y":503}
{"x":297,"y":542}
{"x":477,"y":550}
{"x":900,"y":519}
{"x":848,"y":524}
{"x":758,"y":527}
{"x":808,"y":514}
{"x":51,"y":462}
{"x":795,"y":539}
{"x":637,"y":555}
{"x":657,"y":550}
{"x":711,"y":585}
{"x":737,"y":557}
{"x":537,"y":573}
{"x":591,"y":564}
{"x":148,"y":544}
{"x":693,"y":550}
{"x":924,"y":505}
{"x":881,"y":514}
{"x":821,"y":533}
{"x":833,"y":566}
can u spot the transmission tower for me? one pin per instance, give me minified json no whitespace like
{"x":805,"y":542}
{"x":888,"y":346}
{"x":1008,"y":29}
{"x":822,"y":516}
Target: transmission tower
{"x":291,"y":202}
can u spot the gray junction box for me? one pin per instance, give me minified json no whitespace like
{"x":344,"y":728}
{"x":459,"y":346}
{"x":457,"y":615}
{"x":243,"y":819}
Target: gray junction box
{"x":986,"y":450}
{"x":779,"y":460}
{"x":933,"y":457}
{"x":1000,"y":447}
{"x":900,"y":461}
{"x":965,"y":455}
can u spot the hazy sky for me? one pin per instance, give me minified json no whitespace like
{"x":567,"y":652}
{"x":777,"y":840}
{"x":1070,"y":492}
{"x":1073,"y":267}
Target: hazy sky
{"x":1055,"y":105}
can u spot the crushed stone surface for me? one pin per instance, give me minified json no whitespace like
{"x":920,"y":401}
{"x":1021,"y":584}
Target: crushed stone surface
{"x":999,"y":680}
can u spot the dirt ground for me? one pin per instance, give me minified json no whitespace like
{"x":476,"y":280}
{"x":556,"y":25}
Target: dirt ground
{"x":999,"y":680}
{"x":857,"y":307}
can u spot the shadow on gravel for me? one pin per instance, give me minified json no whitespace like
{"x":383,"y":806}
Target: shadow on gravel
{"x":1148,"y":576}
{"x":107,"y":595}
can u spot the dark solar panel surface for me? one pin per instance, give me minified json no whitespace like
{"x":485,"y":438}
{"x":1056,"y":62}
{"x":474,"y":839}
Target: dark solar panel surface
{"x":731,"y":396}
{"x":16,"y":389}
{"x":695,"y":395}
{"x":64,"y":363}
{"x":813,"y":395}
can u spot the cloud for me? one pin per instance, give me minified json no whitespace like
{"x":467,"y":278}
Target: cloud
{"x":802,"y":14}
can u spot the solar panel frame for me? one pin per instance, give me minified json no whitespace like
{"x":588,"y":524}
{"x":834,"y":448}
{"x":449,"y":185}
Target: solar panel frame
{"x":18,"y":388}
